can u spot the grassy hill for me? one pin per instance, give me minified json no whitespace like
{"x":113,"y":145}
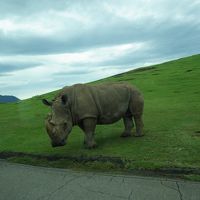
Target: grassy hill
{"x":171,"y":118}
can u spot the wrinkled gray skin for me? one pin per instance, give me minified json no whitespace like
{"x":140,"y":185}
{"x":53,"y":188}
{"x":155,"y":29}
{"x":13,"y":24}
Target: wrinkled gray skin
{"x":87,"y":106}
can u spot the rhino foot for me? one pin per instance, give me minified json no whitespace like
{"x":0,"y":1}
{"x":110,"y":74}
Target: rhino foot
{"x":91,"y":146}
{"x":139,"y":135}
{"x":126,"y":134}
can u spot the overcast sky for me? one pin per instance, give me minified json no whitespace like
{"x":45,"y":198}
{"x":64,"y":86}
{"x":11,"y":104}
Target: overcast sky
{"x":47,"y":44}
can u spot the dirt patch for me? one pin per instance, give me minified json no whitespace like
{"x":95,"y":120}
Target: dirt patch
{"x":135,"y":70}
{"x":81,"y":159}
{"x":143,"y":69}
{"x":189,"y":70}
{"x":119,"y":163}
{"x":196,"y":133}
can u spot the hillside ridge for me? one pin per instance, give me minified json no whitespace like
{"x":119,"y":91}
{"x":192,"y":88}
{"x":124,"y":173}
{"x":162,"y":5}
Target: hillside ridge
{"x":8,"y":99}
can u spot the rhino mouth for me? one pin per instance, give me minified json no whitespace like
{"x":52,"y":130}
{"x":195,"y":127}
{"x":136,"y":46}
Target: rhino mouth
{"x":58,"y":144}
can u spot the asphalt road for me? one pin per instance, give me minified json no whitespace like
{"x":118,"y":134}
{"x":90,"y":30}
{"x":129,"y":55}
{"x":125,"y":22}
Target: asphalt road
{"x":23,"y":182}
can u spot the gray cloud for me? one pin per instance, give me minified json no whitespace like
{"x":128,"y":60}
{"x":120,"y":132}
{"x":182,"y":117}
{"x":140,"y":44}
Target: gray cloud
{"x":103,"y":29}
{"x":4,"y":75}
{"x":75,"y":72}
{"x":27,"y":7}
{"x":166,"y":38}
{"x":6,"y":67}
{"x":169,"y":29}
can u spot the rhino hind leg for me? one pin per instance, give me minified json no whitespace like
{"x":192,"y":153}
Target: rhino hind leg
{"x":139,"y":125}
{"x":88,"y":126}
{"x":136,"y":108}
{"x":128,"y":124}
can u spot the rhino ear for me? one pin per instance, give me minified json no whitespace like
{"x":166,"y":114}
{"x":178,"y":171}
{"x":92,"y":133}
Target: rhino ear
{"x":64,"y":99}
{"x":46,"y":102}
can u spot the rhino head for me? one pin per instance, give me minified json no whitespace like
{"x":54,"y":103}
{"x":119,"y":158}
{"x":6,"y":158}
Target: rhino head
{"x":59,"y":122}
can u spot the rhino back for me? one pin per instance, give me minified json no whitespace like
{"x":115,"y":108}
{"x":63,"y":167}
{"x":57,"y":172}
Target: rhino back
{"x":106,"y":102}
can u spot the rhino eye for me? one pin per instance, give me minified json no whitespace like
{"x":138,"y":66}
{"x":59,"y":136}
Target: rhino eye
{"x":65,"y":125}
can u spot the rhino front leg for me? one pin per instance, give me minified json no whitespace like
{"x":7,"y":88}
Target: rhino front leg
{"x":88,"y":126}
{"x":128,"y":124}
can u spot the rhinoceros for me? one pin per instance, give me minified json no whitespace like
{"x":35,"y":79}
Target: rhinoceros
{"x":89,"y":105}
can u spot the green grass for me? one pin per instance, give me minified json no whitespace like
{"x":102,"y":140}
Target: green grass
{"x":171,"y":117}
